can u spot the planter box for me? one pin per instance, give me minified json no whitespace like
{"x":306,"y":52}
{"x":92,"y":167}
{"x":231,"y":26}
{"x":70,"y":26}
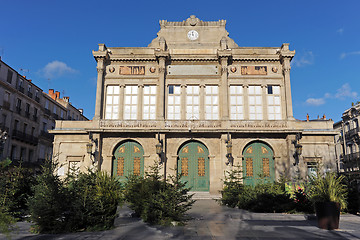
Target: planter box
{"x":328,"y":215}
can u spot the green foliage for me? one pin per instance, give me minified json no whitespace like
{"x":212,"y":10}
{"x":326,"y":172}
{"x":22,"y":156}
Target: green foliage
{"x":328,"y":187}
{"x":157,"y":201}
{"x":353,"y":197}
{"x":232,"y":187}
{"x":94,"y":200}
{"x":50,"y":201}
{"x":86,"y":201}
{"x":265,"y":197}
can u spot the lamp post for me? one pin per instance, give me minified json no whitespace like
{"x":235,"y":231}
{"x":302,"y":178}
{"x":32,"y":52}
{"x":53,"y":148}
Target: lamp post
{"x":3,"y":138}
{"x":298,"y":148}
{"x":229,"y":151}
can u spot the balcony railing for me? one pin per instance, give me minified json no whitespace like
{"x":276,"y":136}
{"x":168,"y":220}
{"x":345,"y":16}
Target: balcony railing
{"x":351,"y":157}
{"x":55,"y":116}
{"x":47,"y":135}
{"x":47,"y":112}
{"x":29,"y":94}
{"x":37,"y":99}
{"x":21,"y":89}
{"x":349,"y":134}
{"x":6,"y":105}
{"x":23,"y":137}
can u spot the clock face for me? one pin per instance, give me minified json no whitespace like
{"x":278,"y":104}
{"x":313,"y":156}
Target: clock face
{"x":193,"y":35}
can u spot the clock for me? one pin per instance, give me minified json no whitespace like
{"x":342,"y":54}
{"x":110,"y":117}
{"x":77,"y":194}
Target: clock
{"x":193,"y":35}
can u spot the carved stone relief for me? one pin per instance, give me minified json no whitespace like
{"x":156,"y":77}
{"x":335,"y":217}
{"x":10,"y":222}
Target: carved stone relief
{"x":132,"y":70}
{"x":253,"y":70}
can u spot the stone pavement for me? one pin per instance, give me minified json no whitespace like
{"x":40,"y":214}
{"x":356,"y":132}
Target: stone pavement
{"x":211,"y":221}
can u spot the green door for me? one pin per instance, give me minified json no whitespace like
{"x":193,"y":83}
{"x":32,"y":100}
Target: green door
{"x":258,"y":164}
{"x":193,"y":164}
{"x":128,"y":159}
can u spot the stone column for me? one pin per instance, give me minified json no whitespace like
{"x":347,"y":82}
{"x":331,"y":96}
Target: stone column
{"x":264,"y":102}
{"x":202,"y":102}
{"x":286,"y":73}
{"x":283,"y":102}
{"x":246,"y":101}
{"x":99,"y":88}
{"x":183,"y":102}
{"x":224,"y":89}
{"x":121,"y":102}
{"x":140,"y":101}
{"x":160,"y":108}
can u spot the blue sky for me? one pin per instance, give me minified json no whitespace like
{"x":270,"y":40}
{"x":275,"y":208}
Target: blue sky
{"x":52,"y":41}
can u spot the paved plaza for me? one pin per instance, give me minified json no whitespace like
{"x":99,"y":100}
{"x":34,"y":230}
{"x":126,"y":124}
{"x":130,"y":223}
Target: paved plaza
{"x":212,"y":221}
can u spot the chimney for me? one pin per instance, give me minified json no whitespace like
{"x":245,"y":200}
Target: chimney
{"x":66,"y":99}
{"x":307,"y":117}
{"x":52,"y":94}
{"x":57,"y":94}
{"x":324,"y":116}
{"x":81,"y":110}
{"x":29,"y":80}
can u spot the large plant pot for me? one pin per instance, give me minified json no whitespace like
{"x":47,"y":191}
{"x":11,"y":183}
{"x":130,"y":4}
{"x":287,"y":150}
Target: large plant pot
{"x":328,"y":215}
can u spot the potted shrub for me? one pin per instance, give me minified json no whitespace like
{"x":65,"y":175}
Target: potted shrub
{"x":328,"y":194}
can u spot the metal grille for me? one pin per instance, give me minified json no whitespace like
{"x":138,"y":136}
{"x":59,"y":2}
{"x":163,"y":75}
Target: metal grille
{"x":266,"y":167}
{"x":201,"y":167}
{"x":120,"y":166}
{"x":249,"y":167}
{"x":184,"y":167}
{"x":136,"y":166}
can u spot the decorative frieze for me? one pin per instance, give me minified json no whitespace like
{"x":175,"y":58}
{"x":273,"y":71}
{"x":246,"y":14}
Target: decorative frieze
{"x":257,"y":124}
{"x":253,"y":70}
{"x":132,"y":70}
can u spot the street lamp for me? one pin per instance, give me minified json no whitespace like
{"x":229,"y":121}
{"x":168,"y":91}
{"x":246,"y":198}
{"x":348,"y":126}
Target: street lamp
{"x":160,"y":148}
{"x":298,"y":148}
{"x":229,"y":151}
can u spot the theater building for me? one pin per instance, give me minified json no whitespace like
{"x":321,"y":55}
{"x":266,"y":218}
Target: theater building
{"x":196,"y":101}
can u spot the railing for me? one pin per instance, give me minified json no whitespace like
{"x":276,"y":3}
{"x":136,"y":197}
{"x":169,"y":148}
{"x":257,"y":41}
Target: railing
{"x":55,"y":116}
{"x":21,"y":89}
{"x":47,"y":112}
{"x":29,"y":94}
{"x":21,"y":136}
{"x":349,"y":134}
{"x":37,"y":99}
{"x":6,"y":105}
{"x":350,"y":157}
{"x":47,"y":135}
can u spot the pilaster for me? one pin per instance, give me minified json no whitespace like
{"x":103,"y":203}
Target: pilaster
{"x":160,"y":108}
{"x":202,"y":101}
{"x":140,"y":101}
{"x":264,"y":101}
{"x":223,"y":98}
{"x":99,"y":88}
{"x":246,"y":101}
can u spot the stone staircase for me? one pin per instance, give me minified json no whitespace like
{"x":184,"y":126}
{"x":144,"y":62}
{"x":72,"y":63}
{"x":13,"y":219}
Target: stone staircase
{"x":204,"y":195}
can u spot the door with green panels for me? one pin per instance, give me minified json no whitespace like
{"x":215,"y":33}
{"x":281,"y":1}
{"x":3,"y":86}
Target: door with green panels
{"x":128,"y":160}
{"x":193,"y":164}
{"x":258,"y":164}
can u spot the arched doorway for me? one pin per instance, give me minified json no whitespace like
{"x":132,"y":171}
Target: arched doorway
{"x":193,"y":164}
{"x":258,"y":164}
{"x":128,"y":159}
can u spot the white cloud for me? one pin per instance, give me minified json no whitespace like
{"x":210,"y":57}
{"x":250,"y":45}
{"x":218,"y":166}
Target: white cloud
{"x":344,"y":92}
{"x":56,"y":69}
{"x":304,"y":59}
{"x":315,"y":101}
{"x":340,"y":31}
{"x":344,"y":55}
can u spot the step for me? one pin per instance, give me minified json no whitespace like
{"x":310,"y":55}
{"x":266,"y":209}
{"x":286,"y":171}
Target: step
{"x":204,"y":195}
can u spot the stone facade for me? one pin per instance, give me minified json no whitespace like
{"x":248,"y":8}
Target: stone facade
{"x":196,"y":91}
{"x":26,"y":114}
{"x":348,"y":141}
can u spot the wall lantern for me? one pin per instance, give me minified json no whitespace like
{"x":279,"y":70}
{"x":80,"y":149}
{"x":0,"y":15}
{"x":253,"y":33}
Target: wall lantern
{"x":89,"y":147}
{"x":3,"y":137}
{"x":229,"y":151}
{"x":298,"y":148}
{"x":160,"y":149}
